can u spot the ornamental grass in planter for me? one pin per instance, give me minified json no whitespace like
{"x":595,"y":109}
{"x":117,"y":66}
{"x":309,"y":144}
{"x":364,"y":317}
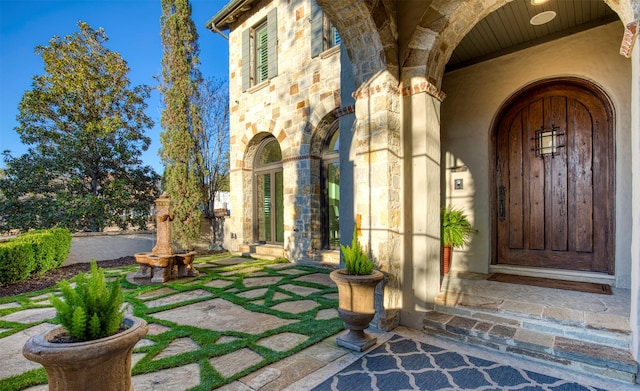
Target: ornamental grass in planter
{"x":91,"y":350}
{"x":356,"y":293}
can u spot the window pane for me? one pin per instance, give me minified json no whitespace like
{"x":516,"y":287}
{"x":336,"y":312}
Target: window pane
{"x":333,"y":202}
{"x":279,"y":210}
{"x":334,"y":143}
{"x":270,"y":153}
{"x":263,"y":185}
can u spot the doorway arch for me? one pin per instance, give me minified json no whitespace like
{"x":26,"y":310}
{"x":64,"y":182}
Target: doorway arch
{"x":268,"y":190}
{"x":554,"y":183}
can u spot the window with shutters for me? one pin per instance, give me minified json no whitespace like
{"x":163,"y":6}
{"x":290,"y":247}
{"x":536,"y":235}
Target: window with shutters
{"x":330,"y":36}
{"x":259,"y":52}
{"x":324,"y":35}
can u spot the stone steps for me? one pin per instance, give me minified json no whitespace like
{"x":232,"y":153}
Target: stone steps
{"x":262,"y":251}
{"x":565,"y":338}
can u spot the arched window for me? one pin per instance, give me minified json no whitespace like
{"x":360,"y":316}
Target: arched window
{"x":268,"y":226}
{"x":330,"y":180}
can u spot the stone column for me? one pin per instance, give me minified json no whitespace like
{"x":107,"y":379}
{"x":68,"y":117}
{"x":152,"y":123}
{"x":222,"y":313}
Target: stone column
{"x":377,"y":170}
{"x":421,"y":145}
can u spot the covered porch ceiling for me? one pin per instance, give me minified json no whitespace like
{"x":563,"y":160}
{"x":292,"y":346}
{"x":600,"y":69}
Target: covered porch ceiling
{"x":508,"y":29}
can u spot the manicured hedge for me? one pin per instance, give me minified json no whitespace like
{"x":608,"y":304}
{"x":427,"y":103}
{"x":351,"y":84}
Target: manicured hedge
{"x":34,"y":252}
{"x":17,"y":261}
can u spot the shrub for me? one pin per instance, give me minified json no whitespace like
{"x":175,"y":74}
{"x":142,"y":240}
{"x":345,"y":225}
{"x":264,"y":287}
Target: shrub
{"x":456,"y":229}
{"x":91,"y":310}
{"x":44,"y":250}
{"x":17,"y":261}
{"x":62,"y":239}
{"x":356,"y":261}
{"x":51,"y":247}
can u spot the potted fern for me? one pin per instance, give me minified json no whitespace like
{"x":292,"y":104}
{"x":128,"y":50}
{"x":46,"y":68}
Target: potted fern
{"x":91,"y":350}
{"x":356,"y":292}
{"x":456,"y":232}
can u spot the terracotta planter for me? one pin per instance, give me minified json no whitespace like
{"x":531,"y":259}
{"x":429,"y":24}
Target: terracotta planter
{"x":102,"y":364}
{"x":356,"y":307}
{"x":445,"y":260}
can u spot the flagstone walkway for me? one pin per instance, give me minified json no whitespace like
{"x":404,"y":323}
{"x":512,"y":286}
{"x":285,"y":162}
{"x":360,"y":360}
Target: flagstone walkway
{"x":231,"y":322}
{"x":246,"y":325}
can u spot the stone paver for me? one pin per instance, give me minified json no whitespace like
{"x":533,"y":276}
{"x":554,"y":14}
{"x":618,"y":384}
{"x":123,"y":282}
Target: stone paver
{"x":607,"y":321}
{"x":31,"y":315}
{"x":252,"y":294}
{"x":564,"y":314}
{"x":259,"y":281}
{"x":13,"y":363}
{"x":155,"y":329}
{"x":328,"y":313}
{"x":221,"y":315}
{"x":234,"y":362}
{"x":143,"y":342}
{"x":174,"y":379}
{"x":177,"y":298}
{"x":178,"y":346}
{"x":282,"y":342}
{"x":299,"y":290}
{"x":296,"y":307}
{"x":9,"y":305}
{"x":318,"y":278}
{"x":219,"y":283}
{"x":280,"y":296}
{"x":231,"y":261}
{"x":156,"y":292}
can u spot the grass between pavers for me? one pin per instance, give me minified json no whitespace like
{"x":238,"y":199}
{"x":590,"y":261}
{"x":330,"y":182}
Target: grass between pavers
{"x":303,"y":323}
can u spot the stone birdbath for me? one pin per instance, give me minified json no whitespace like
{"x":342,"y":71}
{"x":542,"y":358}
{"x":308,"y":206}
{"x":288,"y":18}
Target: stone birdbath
{"x":164,"y":262}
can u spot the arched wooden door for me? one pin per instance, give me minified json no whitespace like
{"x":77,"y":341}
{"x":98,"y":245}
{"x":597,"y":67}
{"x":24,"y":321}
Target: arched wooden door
{"x":554,"y":184}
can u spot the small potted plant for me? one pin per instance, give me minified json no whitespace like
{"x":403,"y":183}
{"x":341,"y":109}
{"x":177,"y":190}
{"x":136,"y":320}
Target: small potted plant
{"x":91,"y":350}
{"x":456,"y":232}
{"x":356,"y":292}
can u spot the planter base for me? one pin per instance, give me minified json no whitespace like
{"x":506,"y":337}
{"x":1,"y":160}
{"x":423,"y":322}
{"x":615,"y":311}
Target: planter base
{"x":355,"y":338}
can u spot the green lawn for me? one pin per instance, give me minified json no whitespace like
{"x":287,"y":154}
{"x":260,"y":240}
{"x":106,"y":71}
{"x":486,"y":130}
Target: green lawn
{"x":220,"y":278}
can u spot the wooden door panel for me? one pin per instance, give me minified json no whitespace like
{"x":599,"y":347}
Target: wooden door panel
{"x":555,"y":206}
{"x":536,"y":210}
{"x":515,"y":184}
{"x":581,"y":177}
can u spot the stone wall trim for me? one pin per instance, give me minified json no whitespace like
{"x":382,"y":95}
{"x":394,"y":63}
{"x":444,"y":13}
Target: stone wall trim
{"x":629,"y":38}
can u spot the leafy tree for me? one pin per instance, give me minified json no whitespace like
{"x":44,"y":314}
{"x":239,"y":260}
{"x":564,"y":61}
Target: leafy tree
{"x":85,"y":127}
{"x":213,"y":145}
{"x":181,"y":119}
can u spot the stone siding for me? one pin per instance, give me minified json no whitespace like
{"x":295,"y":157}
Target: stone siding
{"x":290,"y":108}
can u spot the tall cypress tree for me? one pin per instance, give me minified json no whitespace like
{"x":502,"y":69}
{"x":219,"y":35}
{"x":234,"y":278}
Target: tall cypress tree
{"x":181,"y":118}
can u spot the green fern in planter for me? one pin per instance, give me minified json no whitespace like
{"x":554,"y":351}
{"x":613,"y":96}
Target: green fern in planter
{"x":356,"y":261}
{"x":456,"y":228}
{"x":91,"y":310}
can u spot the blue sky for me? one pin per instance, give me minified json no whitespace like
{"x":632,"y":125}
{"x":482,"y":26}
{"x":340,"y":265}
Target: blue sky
{"x":133,"y":28}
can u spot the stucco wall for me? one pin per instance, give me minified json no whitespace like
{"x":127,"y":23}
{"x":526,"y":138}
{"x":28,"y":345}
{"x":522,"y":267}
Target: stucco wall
{"x":474,"y":95}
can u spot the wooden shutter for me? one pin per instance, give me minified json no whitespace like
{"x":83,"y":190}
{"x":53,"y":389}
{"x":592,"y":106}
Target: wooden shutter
{"x":272,"y":32}
{"x":261,"y":40}
{"x":246,"y":59}
{"x":316,"y":30}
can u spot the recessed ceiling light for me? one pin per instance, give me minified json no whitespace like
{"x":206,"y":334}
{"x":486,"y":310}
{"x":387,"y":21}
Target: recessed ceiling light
{"x":538,"y":2}
{"x":542,"y":18}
